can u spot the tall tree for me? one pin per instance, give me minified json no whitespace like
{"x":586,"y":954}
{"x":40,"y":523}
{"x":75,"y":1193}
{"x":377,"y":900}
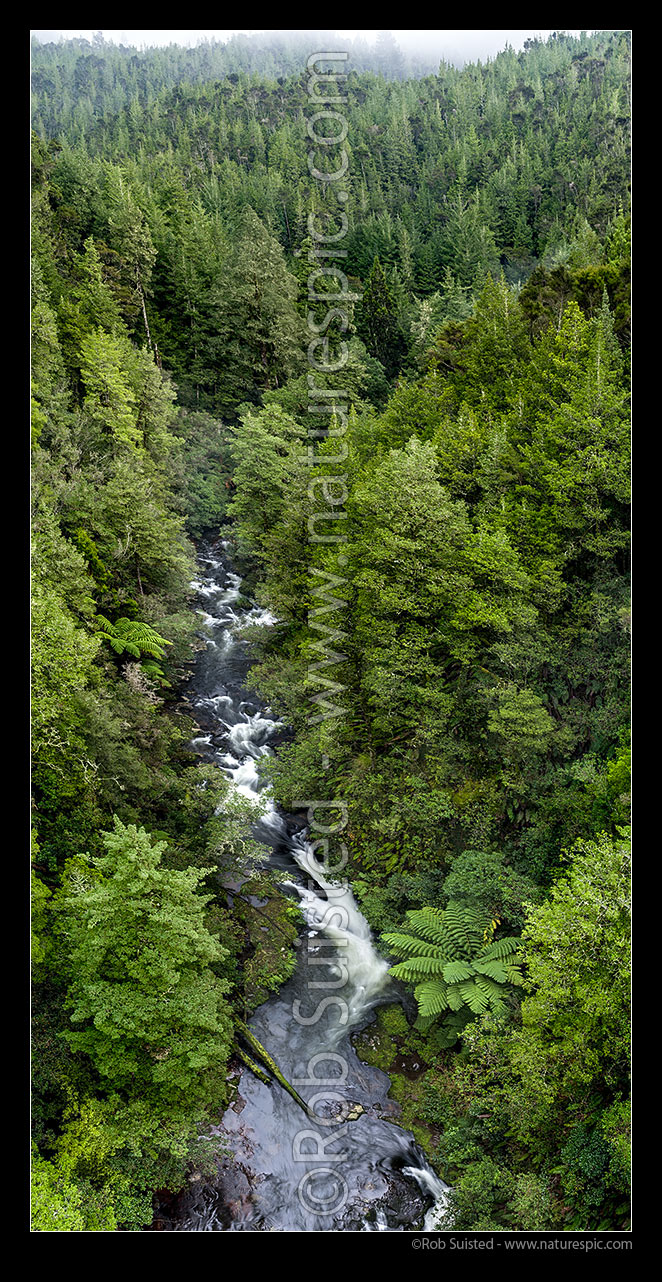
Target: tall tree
{"x":145,"y":1002}
{"x":377,"y":321}
{"x":131,"y":238}
{"x":259,"y":336}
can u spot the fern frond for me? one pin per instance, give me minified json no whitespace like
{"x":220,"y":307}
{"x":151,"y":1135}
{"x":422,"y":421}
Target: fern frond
{"x":465,"y":926}
{"x":133,"y":637}
{"x":406,"y":944}
{"x":488,"y":987}
{"x":475,"y":999}
{"x":430,"y":923}
{"x":448,"y":953}
{"x":501,"y":948}
{"x":494,"y":969}
{"x":432,"y":998}
{"x":456,"y":970}
{"x":416,"y":967}
{"x":141,"y":635}
{"x":428,"y":965}
{"x":455,"y":998}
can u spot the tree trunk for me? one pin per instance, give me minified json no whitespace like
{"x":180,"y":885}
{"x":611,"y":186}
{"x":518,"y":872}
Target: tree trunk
{"x":142,"y":303}
{"x":271,"y":1064}
{"x":353,"y":1112}
{"x":255,"y":1068}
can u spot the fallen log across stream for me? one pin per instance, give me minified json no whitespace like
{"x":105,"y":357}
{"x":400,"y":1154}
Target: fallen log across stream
{"x":355,"y":1110}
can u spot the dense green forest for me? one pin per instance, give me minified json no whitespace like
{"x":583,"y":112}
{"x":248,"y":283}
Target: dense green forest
{"x":478,"y":606}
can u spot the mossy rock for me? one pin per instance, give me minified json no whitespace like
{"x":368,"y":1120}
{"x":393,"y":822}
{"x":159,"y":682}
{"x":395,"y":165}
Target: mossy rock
{"x":388,"y":1042}
{"x":393,"y":1021}
{"x":390,"y":1038}
{"x":410,"y":1096}
{"x":375,"y":1047}
{"x":271,"y":930}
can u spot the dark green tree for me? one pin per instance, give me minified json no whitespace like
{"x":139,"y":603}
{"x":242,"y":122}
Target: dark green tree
{"x":259,"y":335}
{"x":377,"y":322}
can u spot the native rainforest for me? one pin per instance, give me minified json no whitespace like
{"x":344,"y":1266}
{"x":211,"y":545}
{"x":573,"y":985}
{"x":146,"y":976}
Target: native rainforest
{"x":330,"y":636}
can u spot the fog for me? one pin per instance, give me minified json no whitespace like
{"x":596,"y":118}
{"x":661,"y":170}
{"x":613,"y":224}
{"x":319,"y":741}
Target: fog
{"x":453,"y":46}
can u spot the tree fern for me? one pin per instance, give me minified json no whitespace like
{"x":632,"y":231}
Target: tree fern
{"x":501,"y":948}
{"x":476,"y":999}
{"x":133,"y":637}
{"x":404,"y":944}
{"x":453,"y":954}
{"x":426,"y":965}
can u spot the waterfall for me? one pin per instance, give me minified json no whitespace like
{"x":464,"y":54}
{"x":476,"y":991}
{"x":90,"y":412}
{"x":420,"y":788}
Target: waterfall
{"x":430,"y":1183}
{"x":338,"y":917}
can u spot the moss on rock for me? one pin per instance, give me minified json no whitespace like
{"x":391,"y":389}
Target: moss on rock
{"x":391,"y":1045}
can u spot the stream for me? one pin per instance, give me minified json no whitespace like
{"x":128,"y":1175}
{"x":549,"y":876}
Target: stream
{"x":284,"y":1171}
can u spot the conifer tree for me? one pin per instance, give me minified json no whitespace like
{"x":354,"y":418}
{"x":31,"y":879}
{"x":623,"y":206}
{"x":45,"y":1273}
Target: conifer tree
{"x":377,"y":320}
{"x":259,"y":335}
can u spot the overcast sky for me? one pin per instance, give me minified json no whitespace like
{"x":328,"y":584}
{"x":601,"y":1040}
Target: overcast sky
{"x":453,"y":45}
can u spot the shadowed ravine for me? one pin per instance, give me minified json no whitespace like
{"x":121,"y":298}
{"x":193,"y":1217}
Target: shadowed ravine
{"x":367,"y":1174}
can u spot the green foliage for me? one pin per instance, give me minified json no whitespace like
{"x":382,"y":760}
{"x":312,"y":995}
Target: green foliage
{"x":153,"y":1015}
{"x":88,"y":547}
{"x":385,"y":905}
{"x":450,"y":954}
{"x":585,"y":1160}
{"x":520,"y":723}
{"x":478,"y":1201}
{"x":531,"y":1203}
{"x":205,"y":483}
{"x":62,"y":660}
{"x":494,"y":349}
{"x":575,"y":1019}
{"x":58,"y":1205}
{"x":122,"y":1151}
{"x":40,"y":894}
{"x":110,"y":398}
{"x":377,"y":322}
{"x":481,"y":615}
{"x":258,"y":335}
{"x":132,"y":637}
{"x":483,"y":882}
{"x":595,"y":1169}
{"x":270,"y":502}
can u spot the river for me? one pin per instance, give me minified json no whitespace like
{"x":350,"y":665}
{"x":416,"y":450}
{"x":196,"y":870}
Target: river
{"x":282,"y":1171}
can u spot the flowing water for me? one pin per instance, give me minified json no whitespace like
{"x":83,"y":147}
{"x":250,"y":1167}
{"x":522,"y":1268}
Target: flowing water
{"x":287,"y":1172}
